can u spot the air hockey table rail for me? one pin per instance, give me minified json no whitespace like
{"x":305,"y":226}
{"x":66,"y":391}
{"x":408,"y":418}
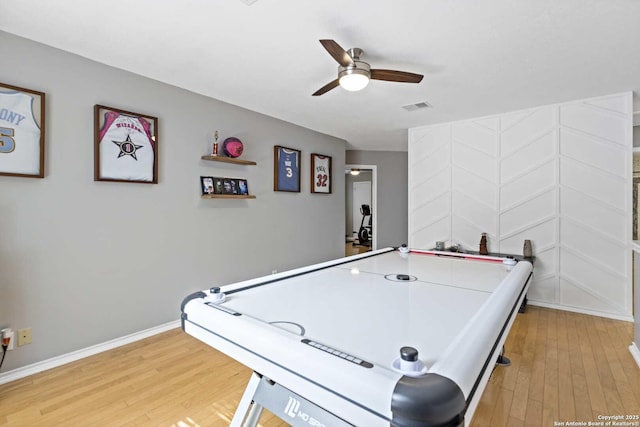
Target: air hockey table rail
{"x":314,"y":365}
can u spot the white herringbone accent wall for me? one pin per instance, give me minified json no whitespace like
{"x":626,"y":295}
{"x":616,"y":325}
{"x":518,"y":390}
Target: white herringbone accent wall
{"x":558,"y":175}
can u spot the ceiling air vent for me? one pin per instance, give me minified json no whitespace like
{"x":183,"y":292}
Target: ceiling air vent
{"x":417,"y":106}
{"x":248,"y":2}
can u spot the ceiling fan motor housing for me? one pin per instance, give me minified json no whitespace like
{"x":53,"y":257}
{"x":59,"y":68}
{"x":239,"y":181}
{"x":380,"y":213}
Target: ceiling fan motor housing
{"x":358,"y":67}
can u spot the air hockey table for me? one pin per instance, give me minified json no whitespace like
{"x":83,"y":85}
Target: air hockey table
{"x":397,"y":336}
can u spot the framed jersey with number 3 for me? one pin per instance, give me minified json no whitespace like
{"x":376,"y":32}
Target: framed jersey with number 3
{"x":320,"y":173}
{"x":286,"y":169}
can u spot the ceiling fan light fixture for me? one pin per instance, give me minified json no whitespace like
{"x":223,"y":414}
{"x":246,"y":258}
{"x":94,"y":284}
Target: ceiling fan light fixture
{"x":354,"y":78}
{"x":354,"y":82}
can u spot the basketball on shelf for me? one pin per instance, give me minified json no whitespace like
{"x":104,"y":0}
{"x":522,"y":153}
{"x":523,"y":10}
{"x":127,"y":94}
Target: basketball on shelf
{"x":232,"y":147}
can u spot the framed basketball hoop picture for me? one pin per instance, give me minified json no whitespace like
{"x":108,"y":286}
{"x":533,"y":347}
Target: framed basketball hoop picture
{"x":21,"y":132}
{"x":320,"y":174}
{"x":286,"y":169}
{"x":125,"y":146}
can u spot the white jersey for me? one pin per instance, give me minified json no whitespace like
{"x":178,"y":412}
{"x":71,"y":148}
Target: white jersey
{"x":321,"y":178}
{"x":19,"y":134}
{"x":127,"y":150}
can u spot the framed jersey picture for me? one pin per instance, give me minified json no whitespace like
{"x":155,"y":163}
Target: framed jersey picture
{"x":286,"y":169}
{"x":125,"y":146}
{"x":320,"y":173}
{"x":21,"y":132}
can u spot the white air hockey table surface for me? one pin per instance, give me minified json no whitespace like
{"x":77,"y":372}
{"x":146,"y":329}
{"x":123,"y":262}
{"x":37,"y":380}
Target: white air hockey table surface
{"x":330,"y":336}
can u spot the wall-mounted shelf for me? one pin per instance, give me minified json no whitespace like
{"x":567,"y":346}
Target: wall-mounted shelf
{"x":227,"y":160}
{"x":235,"y":161}
{"x":227,"y":196}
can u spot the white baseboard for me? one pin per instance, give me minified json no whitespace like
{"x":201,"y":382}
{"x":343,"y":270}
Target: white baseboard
{"x":581,"y":310}
{"x":633,"y":348}
{"x":54,"y":362}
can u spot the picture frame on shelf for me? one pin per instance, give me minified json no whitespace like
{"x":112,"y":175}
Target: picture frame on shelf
{"x":320,"y":173}
{"x":286,"y":169}
{"x":207,"y":185}
{"x":22,"y":131}
{"x":217,"y":186}
{"x":227,"y":187}
{"x":234,"y":186}
{"x":243,"y":187}
{"x":125,"y":146}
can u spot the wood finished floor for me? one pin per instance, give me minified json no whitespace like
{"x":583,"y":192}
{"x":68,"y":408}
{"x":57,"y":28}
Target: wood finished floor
{"x":565,"y":367}
{"x":351,"y":249}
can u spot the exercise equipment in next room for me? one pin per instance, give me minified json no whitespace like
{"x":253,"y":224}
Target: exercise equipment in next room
{"x":366,"y":231}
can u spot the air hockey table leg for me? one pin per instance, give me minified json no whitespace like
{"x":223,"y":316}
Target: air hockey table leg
{"x":254,"y":415}
{"x":248,"y":412}
{"x":502,"y":359}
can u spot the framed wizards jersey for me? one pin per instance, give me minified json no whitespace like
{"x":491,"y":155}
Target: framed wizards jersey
{"x":286,"y":169}
{"x":125,"y":146}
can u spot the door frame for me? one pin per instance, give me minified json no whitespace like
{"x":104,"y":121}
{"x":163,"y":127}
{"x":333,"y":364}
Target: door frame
{"x":374,"y":199}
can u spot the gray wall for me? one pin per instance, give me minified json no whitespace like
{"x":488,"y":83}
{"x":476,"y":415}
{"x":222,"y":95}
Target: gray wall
{"x":84,"y":262}
{"x":392,"y":193}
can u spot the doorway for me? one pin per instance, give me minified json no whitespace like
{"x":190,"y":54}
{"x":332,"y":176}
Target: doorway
{"x":360,"y":188}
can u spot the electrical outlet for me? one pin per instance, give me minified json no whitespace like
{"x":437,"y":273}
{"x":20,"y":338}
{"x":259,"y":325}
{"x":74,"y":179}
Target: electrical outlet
{"x":24,"y":336}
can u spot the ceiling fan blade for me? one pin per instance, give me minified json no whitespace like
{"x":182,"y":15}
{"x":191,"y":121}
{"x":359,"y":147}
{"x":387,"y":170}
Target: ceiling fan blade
{"x":337,"y":52}
{"x":396,"y":76}
{"x":326,"y":88}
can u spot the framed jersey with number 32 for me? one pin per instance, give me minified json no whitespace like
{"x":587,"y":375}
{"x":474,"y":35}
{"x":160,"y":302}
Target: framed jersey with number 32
{"x":320,"y":173}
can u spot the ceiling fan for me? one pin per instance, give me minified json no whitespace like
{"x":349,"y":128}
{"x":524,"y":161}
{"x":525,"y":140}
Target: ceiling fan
{"x":354,"y":74}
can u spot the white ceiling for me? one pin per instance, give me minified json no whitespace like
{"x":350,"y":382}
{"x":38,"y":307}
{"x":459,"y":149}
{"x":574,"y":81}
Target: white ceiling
{"x":479,"y":57}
